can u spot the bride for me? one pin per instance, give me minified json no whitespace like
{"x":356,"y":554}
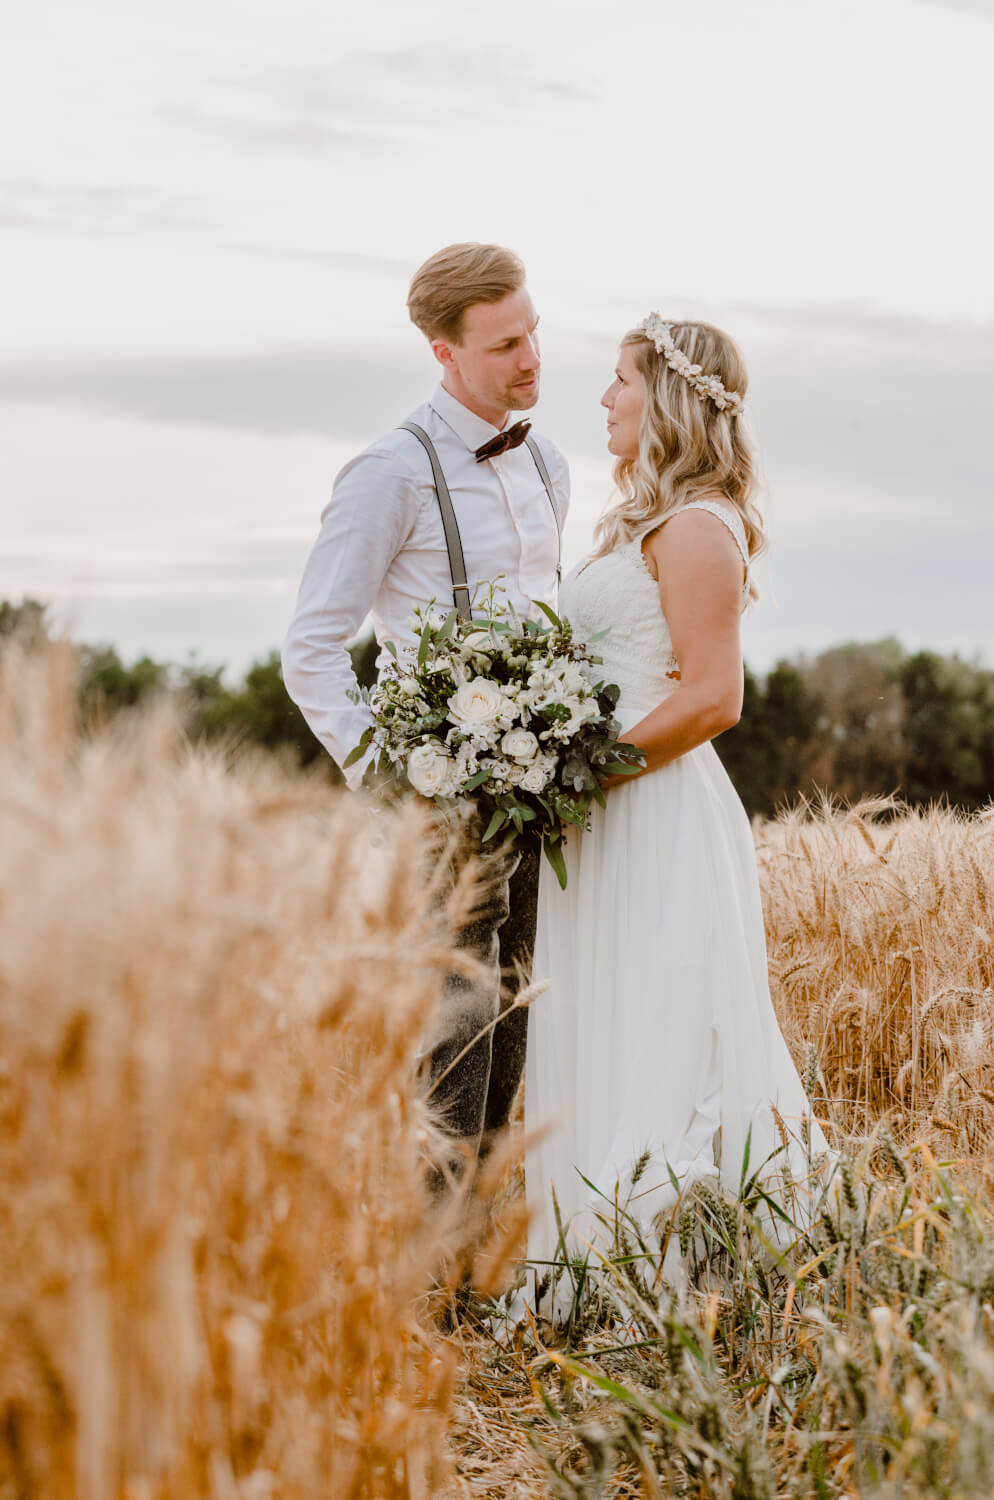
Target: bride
{"x":657,"y":1042}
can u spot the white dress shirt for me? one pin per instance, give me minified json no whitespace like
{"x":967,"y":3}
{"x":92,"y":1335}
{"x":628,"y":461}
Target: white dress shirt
{"x":381,"y":549}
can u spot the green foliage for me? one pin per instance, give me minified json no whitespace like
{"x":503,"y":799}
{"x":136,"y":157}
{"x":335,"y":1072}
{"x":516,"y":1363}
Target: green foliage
{"x":865,"y":719}
{"x":769,"y":753}
{"x":24,"y":622}
{"x":861,"y":719}
{"x":855,"y":1356}
{"x":106,"y":685}
{"x":261,"y":712}
{"x":947,"y":724}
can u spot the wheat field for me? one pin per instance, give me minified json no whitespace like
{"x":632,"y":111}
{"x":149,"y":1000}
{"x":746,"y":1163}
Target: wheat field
{"x":220,"y":1274}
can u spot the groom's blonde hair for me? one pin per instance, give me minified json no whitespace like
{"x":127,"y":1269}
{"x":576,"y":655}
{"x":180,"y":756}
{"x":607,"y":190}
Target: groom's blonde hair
{"x":456,"y":278}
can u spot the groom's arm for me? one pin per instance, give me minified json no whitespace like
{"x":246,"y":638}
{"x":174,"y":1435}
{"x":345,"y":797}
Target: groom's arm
{"x":363,"y":526}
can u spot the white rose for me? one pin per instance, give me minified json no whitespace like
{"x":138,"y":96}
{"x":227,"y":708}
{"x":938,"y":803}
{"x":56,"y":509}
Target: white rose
{"x":519,"y":744}
{"x":428,"y":769}
{"x":536,"y":777}
{"x":409,"y":687}
{"x":515,"y":775}
{"x":479,"y":701}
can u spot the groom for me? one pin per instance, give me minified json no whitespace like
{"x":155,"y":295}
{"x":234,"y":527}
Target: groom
{"x":454,"y":498}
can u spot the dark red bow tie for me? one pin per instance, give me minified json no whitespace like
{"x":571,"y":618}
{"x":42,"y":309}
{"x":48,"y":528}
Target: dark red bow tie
{"x":512,"y":437}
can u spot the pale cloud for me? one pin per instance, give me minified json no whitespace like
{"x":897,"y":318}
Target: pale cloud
{"x":982,"y":8}
{"x":878,"y":403}
{"x":378,"y":101}
{"x":211,"y":220}
{"x":202,"y":480}
{"x":100,"y":208}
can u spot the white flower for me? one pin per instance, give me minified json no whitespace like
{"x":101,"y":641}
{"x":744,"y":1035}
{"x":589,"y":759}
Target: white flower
{"x":582,"y":713}
{"x":507,"y":712}
{"x":428,"y":769}
{"x":515,"y":775}
{"x":465,"y":763}
{"x":538,"y":775}
{"x":454,"y":782}
{"x":477,"y":702}
{"x":409,"y":687}
{"x":482,"y":736}
{"x":519,"y":744}
{"x":478,"y":640}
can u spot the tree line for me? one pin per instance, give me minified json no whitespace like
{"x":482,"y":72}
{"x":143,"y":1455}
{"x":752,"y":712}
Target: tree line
{"x":860,"y":719}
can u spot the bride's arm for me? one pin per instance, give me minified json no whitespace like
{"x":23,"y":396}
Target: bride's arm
{"x":700,"y":575}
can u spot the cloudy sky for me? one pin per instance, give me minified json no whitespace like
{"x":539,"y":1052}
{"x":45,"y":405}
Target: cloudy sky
{"x":209,"y":213}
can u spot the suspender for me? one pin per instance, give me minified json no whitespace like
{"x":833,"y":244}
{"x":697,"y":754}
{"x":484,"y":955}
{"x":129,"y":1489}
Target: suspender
{"x":453,"y":541}
{"x":536,"y":454}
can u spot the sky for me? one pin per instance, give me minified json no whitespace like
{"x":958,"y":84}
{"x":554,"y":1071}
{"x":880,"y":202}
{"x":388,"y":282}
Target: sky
{"x":210,"y":212}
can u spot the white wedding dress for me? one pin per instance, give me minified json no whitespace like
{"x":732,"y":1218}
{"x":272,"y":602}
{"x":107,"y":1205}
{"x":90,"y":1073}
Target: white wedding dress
{"x":657,"y":1030}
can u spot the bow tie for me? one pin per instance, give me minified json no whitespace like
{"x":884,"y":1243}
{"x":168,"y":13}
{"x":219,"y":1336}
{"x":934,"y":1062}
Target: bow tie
{"x":512,"y":437}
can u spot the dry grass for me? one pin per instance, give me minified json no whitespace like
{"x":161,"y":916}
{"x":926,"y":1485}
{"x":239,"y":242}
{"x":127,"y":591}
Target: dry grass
{"x":214,"y":983}
{"x":213,"y":986}
{"x":880,"y":925}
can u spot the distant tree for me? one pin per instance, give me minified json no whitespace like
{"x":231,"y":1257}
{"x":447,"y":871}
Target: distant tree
{"x":106,"y":685}
{"x":860,"y":749}
{"x":25,"y":622}
{"x":946,"y":726}
{"x":260,"y":712}
{"x":199,"y":688}
{"x":769,"y":752}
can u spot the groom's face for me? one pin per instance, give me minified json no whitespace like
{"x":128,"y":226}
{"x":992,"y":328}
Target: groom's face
{"x":494,"y":367}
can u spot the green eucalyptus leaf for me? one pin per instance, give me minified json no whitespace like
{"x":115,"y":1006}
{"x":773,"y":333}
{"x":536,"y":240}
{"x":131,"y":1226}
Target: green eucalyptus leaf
{"x":550,"y":614}
{"x":554,"y":854}
{"x":496,"y":824}
{"x":359,"y":750}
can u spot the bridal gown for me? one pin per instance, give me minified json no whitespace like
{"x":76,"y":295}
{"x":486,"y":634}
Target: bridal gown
{"x":657,"y":1030}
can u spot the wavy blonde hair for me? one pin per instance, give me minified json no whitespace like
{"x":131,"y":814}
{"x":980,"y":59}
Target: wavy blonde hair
{"x":688,"y":449}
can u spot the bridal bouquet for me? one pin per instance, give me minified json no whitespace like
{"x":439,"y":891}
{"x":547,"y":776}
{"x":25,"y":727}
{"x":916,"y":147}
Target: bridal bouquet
{"x":503,"y":717}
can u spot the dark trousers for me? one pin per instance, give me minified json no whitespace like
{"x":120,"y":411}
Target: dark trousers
{"x":475,"y":1095}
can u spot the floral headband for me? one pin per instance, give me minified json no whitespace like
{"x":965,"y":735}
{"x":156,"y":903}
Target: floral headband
{"x":707,"y":387}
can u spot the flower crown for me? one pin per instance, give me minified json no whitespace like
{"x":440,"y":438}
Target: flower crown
{"x":707,"y":387}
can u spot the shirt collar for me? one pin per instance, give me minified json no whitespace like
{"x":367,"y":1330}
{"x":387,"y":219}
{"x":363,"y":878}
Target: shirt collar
{"x":474,"y":431}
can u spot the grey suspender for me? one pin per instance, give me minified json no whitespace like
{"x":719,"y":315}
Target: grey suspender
{"x":453,"y":541}
{"x":536,"y":454}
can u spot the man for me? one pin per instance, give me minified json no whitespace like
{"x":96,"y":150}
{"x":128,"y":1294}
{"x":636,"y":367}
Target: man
{"x":456,"y":487}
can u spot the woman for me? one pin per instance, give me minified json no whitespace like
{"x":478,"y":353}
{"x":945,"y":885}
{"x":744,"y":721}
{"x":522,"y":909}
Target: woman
{"x":658,"y":1034}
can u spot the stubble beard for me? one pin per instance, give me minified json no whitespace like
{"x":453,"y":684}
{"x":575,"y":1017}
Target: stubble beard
{"x":519,"y":400}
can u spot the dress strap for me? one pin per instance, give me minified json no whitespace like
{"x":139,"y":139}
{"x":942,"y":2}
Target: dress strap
{"x":731,"y":518}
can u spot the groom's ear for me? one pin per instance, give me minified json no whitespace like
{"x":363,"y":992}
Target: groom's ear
{"x":442,"y":350}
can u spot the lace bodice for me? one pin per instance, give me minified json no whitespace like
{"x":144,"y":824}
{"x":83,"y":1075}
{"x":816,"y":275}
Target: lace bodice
{"x":618,"y":595}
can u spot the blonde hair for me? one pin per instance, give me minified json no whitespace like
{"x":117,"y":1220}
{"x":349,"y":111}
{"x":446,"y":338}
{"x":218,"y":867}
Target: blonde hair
{"x":688,"y":449}
{"x":456,"y":278}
